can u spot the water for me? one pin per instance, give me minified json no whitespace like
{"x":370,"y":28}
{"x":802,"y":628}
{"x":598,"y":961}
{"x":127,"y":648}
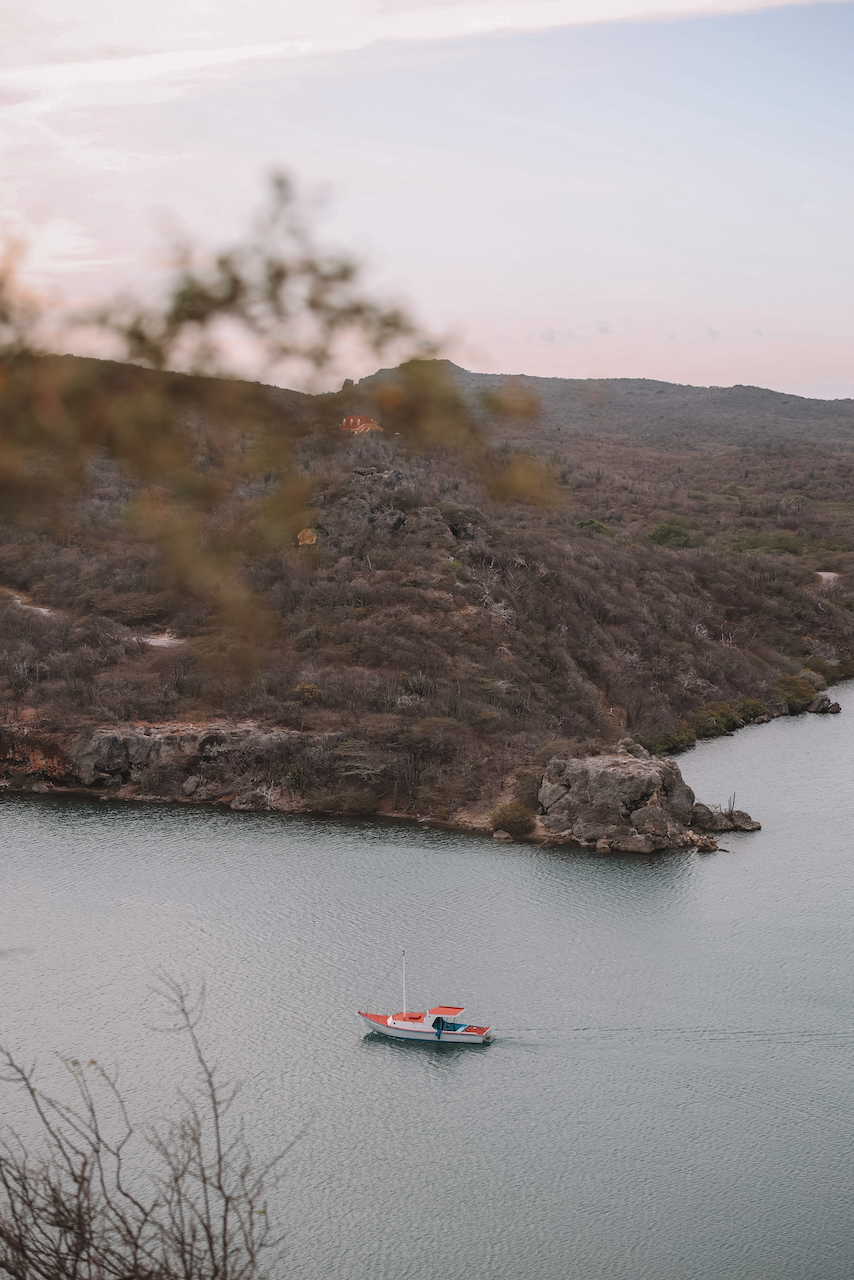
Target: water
{"x":669,"y":1095}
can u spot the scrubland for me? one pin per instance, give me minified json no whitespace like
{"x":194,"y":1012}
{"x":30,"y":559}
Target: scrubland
{"x":607,"y":571}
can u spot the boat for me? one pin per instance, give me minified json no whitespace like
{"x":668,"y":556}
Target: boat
{"x":442,"y":1024}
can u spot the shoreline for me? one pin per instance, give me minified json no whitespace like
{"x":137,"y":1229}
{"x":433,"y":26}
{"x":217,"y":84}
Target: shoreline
{"x":612,"y":797}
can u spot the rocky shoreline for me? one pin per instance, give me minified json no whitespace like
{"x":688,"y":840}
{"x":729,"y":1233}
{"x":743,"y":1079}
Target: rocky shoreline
{"x":614,"y":799}
{"x":627,"y":801}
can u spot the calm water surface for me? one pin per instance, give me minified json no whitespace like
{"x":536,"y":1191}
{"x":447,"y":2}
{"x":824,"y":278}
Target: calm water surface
{"x":670,"y":1095}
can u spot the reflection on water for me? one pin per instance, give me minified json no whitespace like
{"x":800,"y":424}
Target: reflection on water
{"x":669,"y":1093}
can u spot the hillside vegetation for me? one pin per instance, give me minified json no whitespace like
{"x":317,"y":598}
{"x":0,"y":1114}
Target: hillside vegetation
{"x":607,"y":557}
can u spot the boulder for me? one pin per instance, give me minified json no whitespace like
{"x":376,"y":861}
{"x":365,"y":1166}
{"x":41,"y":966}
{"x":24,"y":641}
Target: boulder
{"x":555,"y":770}
{"x":676,"y":794}
{"x":594,"y":826}
{"x":778,"y":709}
{"x":631,"y":842}
{"x":504,"y":836}
{"x":705,"y":843}
{"x":742,"y":821}
{"x":630,"y":802}
{"x":557,"y":822}
{"x":138,"y":748}
{"x":708,"y":819}
{"x":822,"y":706}
{"x":550,"y":793}
{"x":619,"y":781}
{"x":651,"y":820}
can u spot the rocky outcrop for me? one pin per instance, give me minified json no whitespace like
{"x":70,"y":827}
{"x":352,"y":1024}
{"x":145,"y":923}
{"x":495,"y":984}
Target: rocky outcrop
{"x":822,"y":706}
{"x":242,"y":766}
{"x":622,"y":799}
{"x":631,"y":802}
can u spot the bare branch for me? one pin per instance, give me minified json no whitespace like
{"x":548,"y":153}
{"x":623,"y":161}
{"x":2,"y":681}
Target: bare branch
{"x":195,"y":1208}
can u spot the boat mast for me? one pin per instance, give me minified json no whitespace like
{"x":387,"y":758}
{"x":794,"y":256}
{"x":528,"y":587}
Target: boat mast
{"x":404,"y":982}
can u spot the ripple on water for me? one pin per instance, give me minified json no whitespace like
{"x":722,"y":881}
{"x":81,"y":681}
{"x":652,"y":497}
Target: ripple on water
{"x":669,"y":1095}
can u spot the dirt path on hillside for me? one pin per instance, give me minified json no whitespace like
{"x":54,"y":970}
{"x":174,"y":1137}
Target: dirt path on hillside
{"x":160,"y":640}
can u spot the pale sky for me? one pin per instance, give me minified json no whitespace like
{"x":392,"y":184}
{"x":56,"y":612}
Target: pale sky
{"x":564,"y":187}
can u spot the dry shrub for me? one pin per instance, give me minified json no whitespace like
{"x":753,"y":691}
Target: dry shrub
{"x":514,"y":818}
{"x":560,"y":747}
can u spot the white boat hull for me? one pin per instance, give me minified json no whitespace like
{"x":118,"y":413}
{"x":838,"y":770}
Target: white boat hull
{"x":428,"y":1035}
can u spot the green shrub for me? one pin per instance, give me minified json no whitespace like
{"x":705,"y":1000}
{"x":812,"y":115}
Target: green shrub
{"x":593,"y":526}
{"x":796,"y":692}
{"x":785,"y":542}
{"x":459,"y":570}
{"x":751,"y":709}
{"x":715,"y":719}
{"x":671,"y":742}
{"x":514,"y":818}
{"x":669,"y":535}
{"x":794,"y":544}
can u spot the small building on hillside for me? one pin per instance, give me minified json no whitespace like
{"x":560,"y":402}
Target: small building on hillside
{"x":359,"y":424}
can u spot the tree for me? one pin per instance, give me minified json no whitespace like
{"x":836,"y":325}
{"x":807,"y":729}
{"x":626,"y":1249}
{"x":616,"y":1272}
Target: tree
{"x":98,"y":1199}
{"x":190,"y":437}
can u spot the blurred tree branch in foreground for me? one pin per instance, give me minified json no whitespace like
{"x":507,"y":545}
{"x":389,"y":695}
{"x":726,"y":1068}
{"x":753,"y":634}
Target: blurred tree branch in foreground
{"x":94,"y":1199}
{"x":188,"y":436}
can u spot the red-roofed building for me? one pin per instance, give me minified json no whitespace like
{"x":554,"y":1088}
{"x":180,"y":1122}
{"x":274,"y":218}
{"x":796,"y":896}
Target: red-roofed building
{"x":359,"y":423}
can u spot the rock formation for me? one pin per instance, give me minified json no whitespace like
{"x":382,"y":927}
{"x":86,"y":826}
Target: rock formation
{"x":621,"y":799}
{"x":631,"y":802}
{"x":242,"y":766}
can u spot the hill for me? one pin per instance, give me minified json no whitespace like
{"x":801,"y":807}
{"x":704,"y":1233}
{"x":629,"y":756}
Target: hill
{"x":612,"y":558}
{"x":663,"y":413}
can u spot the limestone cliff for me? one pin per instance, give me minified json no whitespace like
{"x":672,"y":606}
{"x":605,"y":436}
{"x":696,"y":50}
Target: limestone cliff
{"x":631,"y":802}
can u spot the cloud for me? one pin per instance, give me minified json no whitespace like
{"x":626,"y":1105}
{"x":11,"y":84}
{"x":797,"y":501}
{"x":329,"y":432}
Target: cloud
{"x":60,"y":51}
{"x":147,"y":66}
{"x":572,"y":202}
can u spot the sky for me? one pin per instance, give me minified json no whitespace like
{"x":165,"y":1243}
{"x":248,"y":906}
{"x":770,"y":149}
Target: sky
{"x":575,"y":188}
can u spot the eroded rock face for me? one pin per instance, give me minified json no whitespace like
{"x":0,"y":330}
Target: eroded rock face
{"x":247,"y":767}
{"x":628,"y":801}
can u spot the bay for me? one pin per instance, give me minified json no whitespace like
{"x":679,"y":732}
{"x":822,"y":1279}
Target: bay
{"x":669,"y":1093}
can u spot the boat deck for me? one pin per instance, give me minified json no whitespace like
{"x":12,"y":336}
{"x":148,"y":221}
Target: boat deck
{"x":417,"y":1019}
